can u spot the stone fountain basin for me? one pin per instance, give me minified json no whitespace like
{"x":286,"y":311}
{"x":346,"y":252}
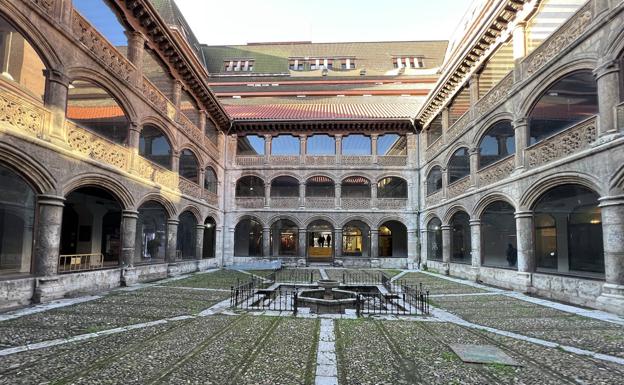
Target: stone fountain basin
{"x":316,"y":300}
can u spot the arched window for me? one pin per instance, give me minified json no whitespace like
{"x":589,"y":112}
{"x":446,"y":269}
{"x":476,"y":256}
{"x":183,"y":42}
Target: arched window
{"x":19,"y":62}
{"x":568,"y":231}
{"x":187,"y":236}
{"x":392,"y":187}
{"x":568,"y":101}
{"x":284,"y":187}
{"x":434,"y":180}
{"x":154,"y":146}
{"x":248,"y":238}
{"x":356,"y":187}
{"x":17,"y":220}
{"x":106,"y":20}
{"x":189,"y":166}
{"x":320,"y":187}
{"x":321,"y":240}
{"x":392,"y":145}
{"x":249,"y":186}
{"x":392,"y":239}
{"x":498,"y":235}
{"x":211,"y":182}
{"x":285,"y":145}
{"x":151,"y":233}
{"x":497,"y":143}
{"x":434,"y":239}
{"x":93,"y":108}
{"x":250,"y":145}
{"x":321,"y":145}
{"x":459,"y":165}
{"x":210,"y":244}
{"x":284,"y":238}
{"x":460,"y":238}
{"x":356,"y":144}
{"x":356,"y":239}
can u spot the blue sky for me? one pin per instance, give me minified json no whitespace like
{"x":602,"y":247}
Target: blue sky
{"x":242,"y":21}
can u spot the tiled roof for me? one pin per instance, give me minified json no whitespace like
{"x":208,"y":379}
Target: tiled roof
{"x":318,"y":111}
{"x":172,"y":15}
{"x":94,"y":112}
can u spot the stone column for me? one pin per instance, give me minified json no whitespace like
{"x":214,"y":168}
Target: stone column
{"x":474,"y":166}
{"x":337,"y":194}
{"x":612,"y":211}
{"x":412,"y":243}
{"x":136,"y":48}
{"x":134,"y":137}
{"x":374,"y":243}
{"x":607,"y":77}
{"x":48,"y":235}
{"x":219,"y":246}
{"x":172,"y":240}
{"x":374,"y":195}
{"x":177,"y":96}
{"x":303,"y":244}
{"x":267,"y":195}
{"x":266,"y":242}
{"x":338,"y":139}
{"x":57,"y":85}
{"x":199,"y":242}
{"x":526,"y":255}
{"x":128,"y":236}
{"x":337,"y":243}
{"x":444,"y":182}
{"x":268,"y":141}
{"x":445,"y":122}
{"x":374,"y":138}
{"x":446,"y":248}
{"x":303,"y":148}
{"x":475,"y":244}
{"x":175,"y":161}
{"x":302,"y":191}
{"x":474,"y":92}
{"x":521,"y":128}
{"x":424,"y":256}
{"x":519,"y":41}
{"x":201,"y":177}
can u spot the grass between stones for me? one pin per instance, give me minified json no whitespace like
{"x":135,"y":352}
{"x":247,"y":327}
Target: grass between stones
{"x":221,"y":279}
{"x":438,"y":285}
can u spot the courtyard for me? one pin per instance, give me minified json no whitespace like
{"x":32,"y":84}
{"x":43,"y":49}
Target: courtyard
{"x":183,"y":330}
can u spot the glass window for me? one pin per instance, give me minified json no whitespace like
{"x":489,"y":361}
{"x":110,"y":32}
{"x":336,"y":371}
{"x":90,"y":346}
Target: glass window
{"x":284,"y":186}
{"x":187,"y":235}
{"x":210,"y":233}
{"x":392,"y":239}
{"x":250,"y":145}
{"x":434,"y":180}
{"x":356,"y":239}
{"x":434,"y":239}
{"x":392,"y":144}
{"x":392,"y":187}
{"x":284,"y":238}
{"x":356,"y":144}
{"x":17,"y":220}
{"x":154,"y":146}
{"x":321,"y":145}
{"x":497,"y":143}
{"x":285,"y":145}
{"x":151,"y":233}
{"x":211,"y":182}
{"x":249,"y":187}
{"x":189,"y":167}
{"x":568,"y":230}
{"x":19,"y":62}
{"x":459,"y":165}
{"x":248,"y":238}
{"x":498,"y":235}
{"x":496,"y":68}
{"x":568,"y":101}
{"x":320,"y":187}
{"x":460,"y":238}
{"x":93,"y":108}
{"x":356,"y":187}
{"x":107,"y":21}
{"x":435,"y":130}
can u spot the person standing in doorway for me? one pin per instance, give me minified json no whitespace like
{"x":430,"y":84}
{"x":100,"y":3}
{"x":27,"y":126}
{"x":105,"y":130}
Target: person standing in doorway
{"x":321,"y":241}
{"x":328,"y":240}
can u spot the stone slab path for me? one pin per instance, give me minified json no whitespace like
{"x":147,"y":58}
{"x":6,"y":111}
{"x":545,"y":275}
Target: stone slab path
{"x":326,"y":363}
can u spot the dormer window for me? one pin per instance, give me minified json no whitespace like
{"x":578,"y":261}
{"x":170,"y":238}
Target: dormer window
{"x":408,"y":62}
{"x":238,"y":65}
{"x":347,"y":64}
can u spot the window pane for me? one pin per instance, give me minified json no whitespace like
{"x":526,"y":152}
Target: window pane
{"x":187,"y":234}
{"x":356,"y":145}
{"x":250,"y":145}
{"x":153,"y":145}
{"x":392,"y":188}
{"x":434,"y":180}
{"x":497,"y":143}
{"x":434,"y":239}
{"x":459,"y":165}
{"x":460,"y":238}
{"x":285,"y":145}
{"x":250,"y":186}
{"x":105,"y":20}
{"x":189,"y":166}
{"x":210,"y":180}
{"x":320,"y":187}
{"x":285,"y":186}
{"x":356,"y":187}
{"x":321,"y":145}
{"x":151,"y":233}
{"x":392,"y":144}
{"x":498,"y":234}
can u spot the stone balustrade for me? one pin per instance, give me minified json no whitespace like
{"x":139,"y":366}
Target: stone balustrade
{"x":458,"y":187}
{"x":320,"y":160}
{"x":392,"y":160}
{"x":284,"y":202}
{"x":190,"y":188}
{"x":496,"y":171}
{"x":284,"y":160}
{"x":249,"y":160}
{"x":434,"y":198}
{"x":18,"y":115}
{"x":356,"y":160}
{"x":249,"y":203}
{"x":391,"y":203}
{"x":355,"y":203}
{"x":96,"y":147}
{"x":320,"y":203}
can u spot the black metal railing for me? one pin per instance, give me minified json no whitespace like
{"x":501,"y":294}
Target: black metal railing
{"x":364,"y":278}
{"x":297,"y":276}
{"x":257,"y":299}
{"x":410,"y":301}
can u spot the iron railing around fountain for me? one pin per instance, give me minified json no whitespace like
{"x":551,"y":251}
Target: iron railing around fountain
{"x":250,"y":298}
{"x":365,"y":278}
{"x":408,"y":301}
{"x":296,"y":276}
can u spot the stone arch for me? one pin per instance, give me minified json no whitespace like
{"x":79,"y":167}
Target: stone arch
{"x":28,"y":168}
{"x":108,"y":84}
{"x":117,"y":190}
{"x":166,"y":128}
{"x":248,"y":216}
{"x":433,"y":165}
{"x":533,"y":193}
{"x":484,"y":127}
{"x":390,"y":175}
{"x":159,"y":198}
{"x":451,"y":151}
{"x":485,"y":201}
{"x":271,"y":221}
{"x":360,"y":218}
{"x":321,"y":173}
{"x":360,"y":174}
{"x":325,"y":218}
{"x":388,"y":218}
{"x":286,"y":174}
{"x":196,"y":152}
{"x":551,"y":77}
{"x":251,"y":173}
{"x":454,"y":209}
{"x":428,"y":217}
{"x":193,"y":210}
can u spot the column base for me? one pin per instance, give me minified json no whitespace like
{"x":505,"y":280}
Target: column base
{"x":612,"y":298}
{"x":48,"y":289}
{"x":129,"y":276}
{"x":446,"y":268}
{"x":474,"y":273}
{"x":524,"y":282}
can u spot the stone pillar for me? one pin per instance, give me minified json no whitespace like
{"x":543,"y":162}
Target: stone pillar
{"x":424,"y":256}
{"x":521,"y":133}
{"x":337,"y":194}
{"x":219,"y":245}
{"x":412,"y":146}
{"x":303,"y":148}
{"x":607,"y":77}
{"x":445,"y":122}
{"x":526,"y":255}
{"x":446,"y":248}
{"x":128,"y":236}
{"x":177,"y":95}
{"x":612,"y":211}
{"x":136,"y":48}
{"x":475,"y":244}
{"x":474,"y":166}
{"x":57,"y":85}
{"x":267,"y":195}
{"x":172,"y":240}
{"x":444,"y":181}
{"x":266,"y":242}
{"x":134,"y":137}
{"x":199,"y":242}
{"x":175,"y":162}
{"x":337,"y":243}
{"x":374,"y":138}
{"x":48,"y":235}
{"x":412,"y":249}
{"x":519,"y":41}
{"x":201,"y":177}
{"x":302,"y":191}
{"x":374,"y":195}
{"x":303,"y":244}
{"x":474,"y":90}
{"x":268,"y":141}
{"x":338,"y":148}
{"x":374,"y":243}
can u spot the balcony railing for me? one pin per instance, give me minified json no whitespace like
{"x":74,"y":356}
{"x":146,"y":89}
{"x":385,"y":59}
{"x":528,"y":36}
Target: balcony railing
{"x":496,"y":171}
{"x":190,"y":188}
{"x":320,"y":160}
{"x":458,"y":187}
{"x":355,"y":203}
{"x":71,"y":263}
{"x":434,"y":198}
{"x":250,"y":160}
{"x":284,"y":160}
{"x":320,"y":203}
{"x":357,"y":160}
{"x":392,"y":160}
{"x":284,"y":202}
{"x":391,"y":203}
{"x":249,"y":203}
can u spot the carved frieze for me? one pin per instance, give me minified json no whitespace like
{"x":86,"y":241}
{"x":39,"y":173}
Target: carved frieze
{"x":391,"y":203}
{"x":249,"y":203}
{"x":494,"y":97}
{"x":562,"y":144}
{"x":497,"y":171}
{"x":458,"y":187}
{"x":355,"y":203}
{"x":249,"y":160}
{"x":97,"y":148}
{"x":189,"y":188}
{"x":392,"y":161}
{"x":433,"y":199}
{"x":21,"y":116}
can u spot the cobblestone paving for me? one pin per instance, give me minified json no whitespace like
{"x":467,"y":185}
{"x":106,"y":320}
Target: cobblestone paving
{"x":221,"y":279}
{"x":439,"y":285}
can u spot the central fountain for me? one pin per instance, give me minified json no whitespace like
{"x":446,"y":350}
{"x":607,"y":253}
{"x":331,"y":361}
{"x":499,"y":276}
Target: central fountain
{"x":328,"y":298}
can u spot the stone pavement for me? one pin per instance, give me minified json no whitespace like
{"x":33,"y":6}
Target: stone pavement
{"x":182,"y":331}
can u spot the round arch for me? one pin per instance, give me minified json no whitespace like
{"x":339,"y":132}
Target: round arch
{"x":117,"y":190}
{"x":490,"y":198}
{"x":390,"y":218}
{"x":166,"y":203}
{"x":166,"y":128}
{"x":454,"y":209}
{"x":271,"y":221}
{"x":359,"y":218}
{"x":28,"y":168}
{"x":483,"y":127}
{"x":285,"y":174}
{"x":193,"y":210}
{"x":249,"y":216}
{"x":532,"y":194}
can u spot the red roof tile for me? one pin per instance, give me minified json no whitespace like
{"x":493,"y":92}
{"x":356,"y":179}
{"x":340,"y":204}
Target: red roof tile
{"x":321,"y":111}
{"x":94,"y":112}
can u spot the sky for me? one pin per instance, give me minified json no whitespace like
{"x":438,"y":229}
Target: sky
{"x":236,"y":22}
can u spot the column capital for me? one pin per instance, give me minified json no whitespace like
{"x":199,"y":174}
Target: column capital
{"x":50,"y":200}
{"x":200,"y":227}
{"x":135,"y":35}
{"x":519,"y":123}
{"x":605,"y":67}
{"x":268,"y":136}
{"x":445,"y":227}
{"x":173,"y":222}
{"x":523,"y":214}
{"x":615,"y":200}
{"x":57,"y":76}
{"x":475,"y":222}
{"x":130,"y":214}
